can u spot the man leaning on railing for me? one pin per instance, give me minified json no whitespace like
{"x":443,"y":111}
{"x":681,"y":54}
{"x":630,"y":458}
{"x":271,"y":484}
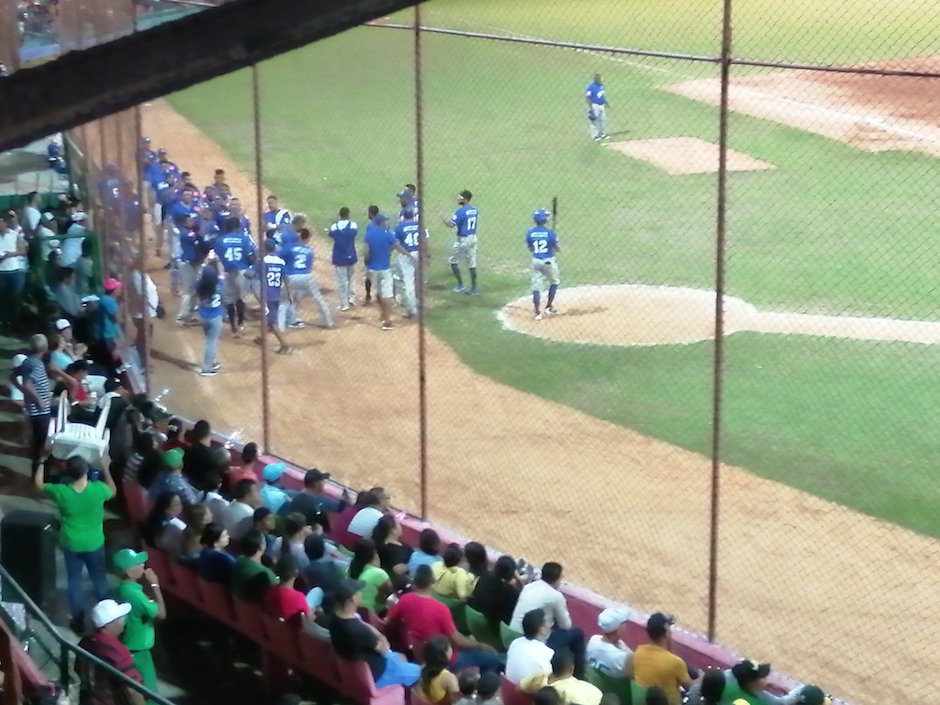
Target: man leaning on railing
{"x":98,"y":686}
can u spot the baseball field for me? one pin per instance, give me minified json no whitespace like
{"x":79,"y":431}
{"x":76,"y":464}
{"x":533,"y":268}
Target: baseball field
{"x":589,"y":430}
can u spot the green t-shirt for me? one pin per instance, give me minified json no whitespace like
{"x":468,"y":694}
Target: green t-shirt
{"x":374,"y":577}
{"x":733,"y":691}
{"x":250,"y":580}
{"x":138,"y":627}
{"x":82,"y":515}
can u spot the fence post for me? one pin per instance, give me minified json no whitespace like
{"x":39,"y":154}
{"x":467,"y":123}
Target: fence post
{"x":717,"y":381}
{"x":265,"y":401}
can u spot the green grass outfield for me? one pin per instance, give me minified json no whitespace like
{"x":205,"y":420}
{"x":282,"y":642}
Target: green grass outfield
{"x":832,"y":229}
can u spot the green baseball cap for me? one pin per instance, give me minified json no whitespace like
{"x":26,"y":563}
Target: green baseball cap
{"x":128,"y":558}
{"x":173,"y":458}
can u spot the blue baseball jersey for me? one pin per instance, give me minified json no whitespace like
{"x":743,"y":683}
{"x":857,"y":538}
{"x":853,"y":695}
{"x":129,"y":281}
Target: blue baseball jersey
{"x":274,"y":272}
{"x":413,"y":207}
{"x":408,"y":233}
{"x":596,"y":94}
{"x":299,"y":259}
{"x":465,"y":219}
{"x":380,"y":241}
{"x":188,"y":243}
{"x":542,"y":242}
{"x":222,"y":213}
{"x":272,"y":219}
{"x":234,"y":250}
{"x":179,"y":211}
{"x":286,"y":237}
{"x":153,"y":174}
{"x":212,"y":307}
{"x":344,"y":235}
{"x":208,"y":229}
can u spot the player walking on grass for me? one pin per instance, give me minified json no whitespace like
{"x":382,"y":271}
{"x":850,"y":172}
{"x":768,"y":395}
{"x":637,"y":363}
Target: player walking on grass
{"x":299,"y":258}
{"x":464,"y":220}
{"x":380,"y":242}
{"x":408,"y":234}
{"x":235,"y":249}
{"x":543,"y":244}
{"x":596,"y":96}
{"x":274,"y":278}
{"x":344,"y":259}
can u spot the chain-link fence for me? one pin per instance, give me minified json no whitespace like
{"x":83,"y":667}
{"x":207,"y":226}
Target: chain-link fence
{"x":766,"y":472}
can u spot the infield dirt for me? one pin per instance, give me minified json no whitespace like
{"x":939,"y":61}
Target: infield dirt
{"x":797,"y":574}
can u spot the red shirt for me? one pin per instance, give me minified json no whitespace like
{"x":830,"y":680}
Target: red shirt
{"x":98,"y":686}
{"x":423,"y":617}
{"x":238,"y":473}
{"x":285,"y":602}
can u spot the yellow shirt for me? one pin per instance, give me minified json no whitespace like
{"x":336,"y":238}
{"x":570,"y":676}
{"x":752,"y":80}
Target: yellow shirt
{"x":454,"y":582}
{"x":654,"y":665}
{"x":436,"y":690}
{"x":570,"y":690}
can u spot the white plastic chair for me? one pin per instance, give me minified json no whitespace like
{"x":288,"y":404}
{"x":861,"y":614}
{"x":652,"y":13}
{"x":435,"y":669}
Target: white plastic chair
{"x":79,"y":439}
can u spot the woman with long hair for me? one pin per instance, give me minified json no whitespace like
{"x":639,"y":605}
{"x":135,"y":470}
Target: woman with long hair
{"x":365,"y":567}
{"x":437,"y":685}
{"x":497,"y":592}
{"x":215,"y":563}
{"x":477,"y":563}
{"x":209,"y":294}
{"x":197,"y":518}
{"x":393,"y":554}
{"x":163,"y":526}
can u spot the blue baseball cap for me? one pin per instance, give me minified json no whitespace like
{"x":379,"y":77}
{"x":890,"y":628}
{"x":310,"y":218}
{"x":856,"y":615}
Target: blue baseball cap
{"x":273,"y":472}
{"x":540,"y":216}
{"x":380,"y":218}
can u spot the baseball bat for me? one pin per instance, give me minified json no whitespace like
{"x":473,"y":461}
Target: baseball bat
{"x":554,"y":210}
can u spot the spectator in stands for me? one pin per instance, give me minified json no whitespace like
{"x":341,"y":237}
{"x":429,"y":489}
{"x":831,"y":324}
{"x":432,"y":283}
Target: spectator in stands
{"x":655,"y":664}
{"x":606,"y":651}
{"x":488,"y":687}
{"x":438,"y":685}
{"x":171,"y":479}
{"x":529,"y":654}
{"x":68,"y":348}
{"x":467,"y":683}
{"x":139,"y":588}
{"x":453,"y":580}
{"x":295,"y":532}
{"x":197,"y":459}
{"x":215,"y":563}
{"x":376,"y":505}
{"x":33,"y":382}
{"x":107,"y":327}
{"x":284,"y":601}
{"x":424,"y":617}
{"x":547,"y":696}
{"x":246,"y":470}
{"x":197,"y":517}
{"x":174,"y":436}
{"x":746,"y":680}
{"x":428,"y":553}
{"x":313,"y":502}
{"x":474,"y":554}
{"x":31,"y":214}
{"x":272,"y":496}
{"x":251,"y":578}
{"x":13,"y":269}
{"x":656,"y":696}
{"x":321,"y":613}
{"x":321,"y":570}
{"x":81,"y":507}
{"x":84,"y":269}
{"x":497,"y":593}
{"x":164,"y":525}
{"x":48,"y":233}
{"x":16,"y":395}
{"x":240,"y":515}
{"x":74,"y":244}
{"x":572,"y":690}
{"x":263,"y":520}
{"x":213,"y":499}
{"x":148,"y":461}
{"x":99,"y":687}
{"x":340,"y":526}
{"x":393,"y":554}
{"x":354,"y":640}
{"x":365,"y":568}
{"x":710,"y":689}
{"x":66,"y":293}
{"x":544,"y":593}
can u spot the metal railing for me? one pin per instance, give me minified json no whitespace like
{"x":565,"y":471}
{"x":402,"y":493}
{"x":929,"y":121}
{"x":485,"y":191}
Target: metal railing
{"x":47,"y":646}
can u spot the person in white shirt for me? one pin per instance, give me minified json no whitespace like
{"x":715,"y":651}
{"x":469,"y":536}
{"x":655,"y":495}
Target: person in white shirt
{"x":239,"y":518}
{"x":47,"y":232}
{"x":529,"y":654}
{"x":72,"y":245}
{"x":606,"y":652}
{"x":545,"y":594}
{"x":31,"y":214}
{"x":13,"y":268}
{"x":366,"y":518}
{"x":16,"y":395}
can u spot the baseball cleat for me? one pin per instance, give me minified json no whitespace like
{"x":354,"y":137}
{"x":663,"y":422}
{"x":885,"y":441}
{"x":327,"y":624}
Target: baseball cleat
{"x":298,"y":324}
{"x":216,"y":366}
{"x":343,"y":309}
{"x":471,"y":292}
{"x":538,"y":317}
{"x":459,"y":289}
{"x":208,"y":373}
{"x":387,"y":325}
{"x":551,"y":310}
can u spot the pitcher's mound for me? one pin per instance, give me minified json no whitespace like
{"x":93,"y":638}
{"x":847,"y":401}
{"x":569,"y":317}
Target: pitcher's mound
{"x":686,"y":155}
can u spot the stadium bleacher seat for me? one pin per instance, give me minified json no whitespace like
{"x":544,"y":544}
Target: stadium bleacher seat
{"x":507,"y":634}
{"x":356,"y":682}
{"x":512,"y":695}
{"x":457,"y":611}
{"x":480,"y":629}
{"x":621,"y":687}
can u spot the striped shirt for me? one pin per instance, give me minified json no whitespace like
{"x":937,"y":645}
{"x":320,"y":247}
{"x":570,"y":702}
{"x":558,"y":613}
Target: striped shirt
{"x":34,"y":370}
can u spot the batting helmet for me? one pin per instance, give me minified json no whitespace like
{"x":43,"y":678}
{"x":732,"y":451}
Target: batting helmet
{"x":541,"y":216}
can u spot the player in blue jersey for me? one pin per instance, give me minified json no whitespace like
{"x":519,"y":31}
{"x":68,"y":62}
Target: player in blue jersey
{"x":464,"y":222}
{"x":189,"y":263}
{"x":380,"y":242}
{"x":286,"y":235}
{"x":236,"y":251}
{"x":543,"y":244}
{"x":370,"y":213}
{"x":235,"y":206}
{"x":209,"y":294}
{"x":407,"y":201}
{"x":344,"y":232}
{"x":301,"y":279}
{"x":275,"y":277}
{"x":408,"y":234}
{"x":206,"y":225}
{"x":273,"y":217}
{"x":596,"y":96}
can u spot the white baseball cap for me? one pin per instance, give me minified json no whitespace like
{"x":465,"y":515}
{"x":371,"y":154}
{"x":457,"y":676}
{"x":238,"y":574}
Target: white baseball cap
{"x":612,"y":618}
{"x":18,"y":360}
{"x":62,"y":324}
{"x":107,"y":611}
